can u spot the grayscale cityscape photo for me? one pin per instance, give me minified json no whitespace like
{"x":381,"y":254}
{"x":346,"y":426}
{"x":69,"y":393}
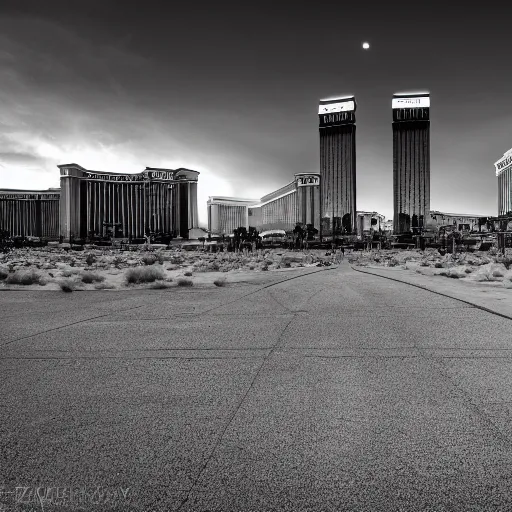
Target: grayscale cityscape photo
{"x":255,"y":256}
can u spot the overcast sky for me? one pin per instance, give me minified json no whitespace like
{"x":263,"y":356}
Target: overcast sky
{"x":231,"y":89}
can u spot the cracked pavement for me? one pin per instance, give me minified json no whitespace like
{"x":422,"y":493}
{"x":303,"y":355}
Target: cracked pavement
{"x":335,"y":390}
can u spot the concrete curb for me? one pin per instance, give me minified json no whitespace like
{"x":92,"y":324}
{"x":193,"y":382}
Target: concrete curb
{"x":422,"y":287}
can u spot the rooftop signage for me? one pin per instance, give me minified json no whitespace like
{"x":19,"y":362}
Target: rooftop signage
{"x":337,"y":105}
{"x":411,"y":102}
{"x":143,"y":176}
{"x":503,"y":162}
{"x":308,"y":180}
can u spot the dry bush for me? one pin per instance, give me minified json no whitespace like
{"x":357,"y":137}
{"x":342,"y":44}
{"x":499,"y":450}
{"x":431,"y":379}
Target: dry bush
{"x":188,"y":274}
{"x":91,"y":277}
{"x":159,"y":285}
{"x":67,"y":285}
{"x":139,"y":275}
{"x":26,"y":277}
{"x":484,"y":274}
{"x":220,"y":282}
{"x":104,"y":286}
{"x":185,"y":282}
{"x":438,"y":264}
{"x":90,"y":259}
{"x":3,"y":274}
{"x":497,"y":273}
{"x":151,"y":259}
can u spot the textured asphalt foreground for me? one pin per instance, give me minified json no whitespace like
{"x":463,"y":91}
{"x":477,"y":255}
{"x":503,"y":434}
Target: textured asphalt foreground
{"x":334,"y":391}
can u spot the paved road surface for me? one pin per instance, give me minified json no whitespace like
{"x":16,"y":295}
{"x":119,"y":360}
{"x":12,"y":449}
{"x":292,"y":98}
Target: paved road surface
{"x":333,"y":391}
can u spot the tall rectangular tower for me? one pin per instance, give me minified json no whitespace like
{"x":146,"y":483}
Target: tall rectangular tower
{"x":411,"y":161}
{"x":337,"y":165}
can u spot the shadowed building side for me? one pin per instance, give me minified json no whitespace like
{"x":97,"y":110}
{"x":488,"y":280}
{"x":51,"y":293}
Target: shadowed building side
{"x":337,"y":165}
{"x":30,"y":212}
{"x":504,"y":174}
{"x":411,"y":161}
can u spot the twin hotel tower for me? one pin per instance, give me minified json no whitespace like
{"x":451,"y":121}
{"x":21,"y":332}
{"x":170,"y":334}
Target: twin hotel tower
{"x":164,"y":201}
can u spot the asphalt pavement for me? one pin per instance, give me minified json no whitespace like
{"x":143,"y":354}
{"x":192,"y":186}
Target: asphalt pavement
{"x":332,"y":391}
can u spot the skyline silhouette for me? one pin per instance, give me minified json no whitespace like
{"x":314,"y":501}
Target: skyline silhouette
{"x":232,"y":91}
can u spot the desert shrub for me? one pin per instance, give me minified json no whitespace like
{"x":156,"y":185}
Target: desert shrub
{"x":251,"y":267}
{"x":117,"y":261}
{"x":220,"y":282}
{"x":185,"y":282}
{"x":188,"y":274}
{"x":264,"y":267}
{"x":104,"y":286}
{"x":90,"y":259}
{"x":138,"y":275}
{"x":497,"y":273}
{"x":484,"y":274}
{"x":3,"y":274}
{"x":27,"y":277}
{"x":149,"y":259}
{"x":424,"y":263}
{"x":159,"y":285}
{"x":438,"y":264}
{"x":468,"y":271}
{"x":91,"y":277}
{"x":507,"y":262}
{"x":67,"y":285}
{"x":393,"y":262}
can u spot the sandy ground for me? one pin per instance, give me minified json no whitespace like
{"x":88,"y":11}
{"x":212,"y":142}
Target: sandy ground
{"x":53,"y":269}
{"x":481,"y":278}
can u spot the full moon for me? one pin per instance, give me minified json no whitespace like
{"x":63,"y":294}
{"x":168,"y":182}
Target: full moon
{"x":366,"y":46}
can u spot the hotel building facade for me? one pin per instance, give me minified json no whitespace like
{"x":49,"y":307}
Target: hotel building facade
{"x":30,"y":212}
{"x":411,"y":161}
{"x":89,"y":202}
{"x":337,"y":164}
{"x":298,"y":201}
{"x":504,"y":174}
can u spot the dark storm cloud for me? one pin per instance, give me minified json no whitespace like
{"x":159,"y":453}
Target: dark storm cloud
{"x":232,"y":88}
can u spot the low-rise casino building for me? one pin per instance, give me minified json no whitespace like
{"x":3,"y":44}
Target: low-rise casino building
{"x":460,"y":221}
{"x":30,"y":212}
{"x":298,"y":201}
{"x":88,"y":203}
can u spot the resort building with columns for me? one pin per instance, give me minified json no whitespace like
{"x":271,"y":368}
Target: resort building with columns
{"x":30,"y":212}
{"x":88,"y":203}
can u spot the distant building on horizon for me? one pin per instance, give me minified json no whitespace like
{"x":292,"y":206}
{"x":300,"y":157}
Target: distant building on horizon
{"x":459,"y":221}
{"x":504,"y":174}
{"x":337,"y":165}
{"x":411,"y":161}
{"x":28,"y":213}
{"x":296,"y":202}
